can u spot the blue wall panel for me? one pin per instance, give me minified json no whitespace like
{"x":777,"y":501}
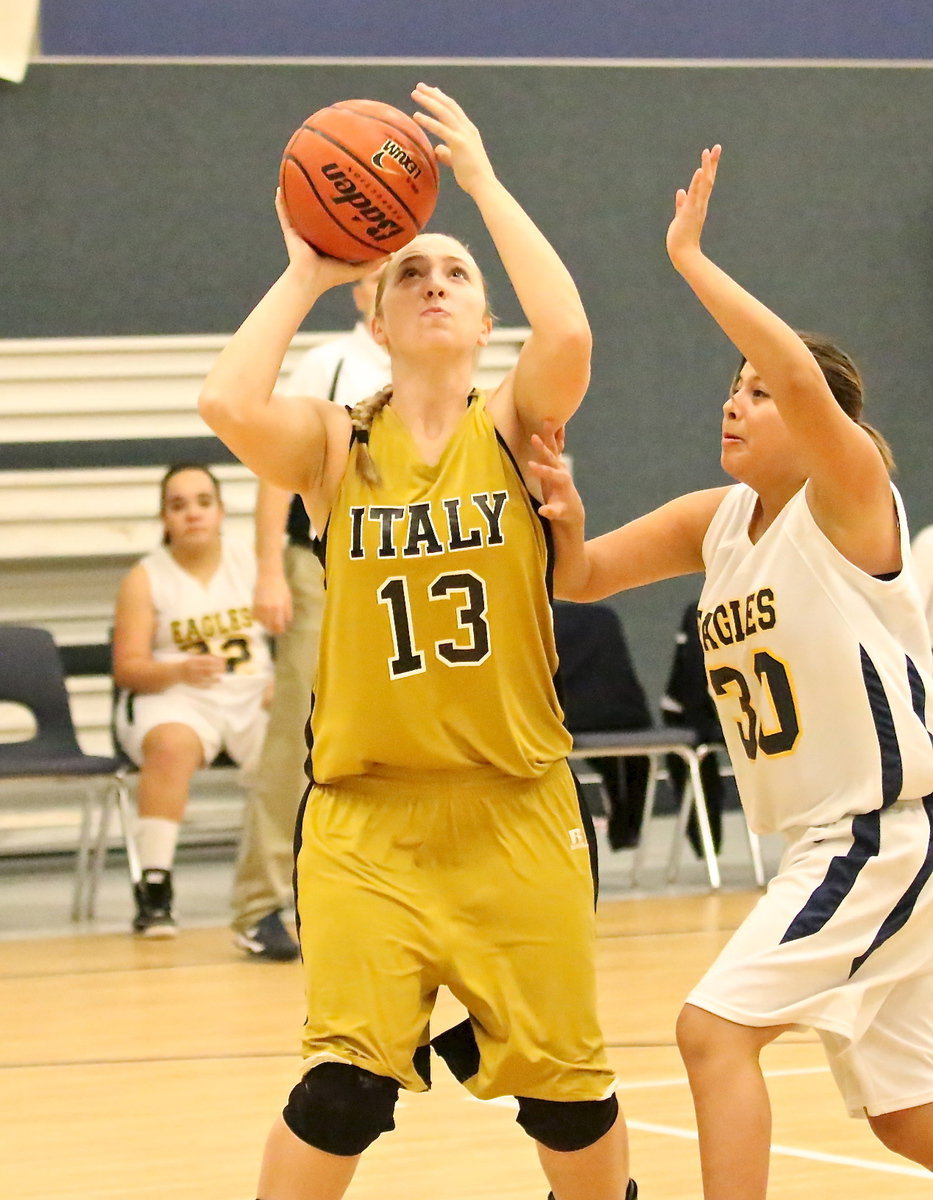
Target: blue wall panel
{"x":138,"y":200}
{"x":896,"y":29}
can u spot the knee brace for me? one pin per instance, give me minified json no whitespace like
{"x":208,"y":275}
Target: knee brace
{"x":567,"y":1124}
{"x":341,"y":1109}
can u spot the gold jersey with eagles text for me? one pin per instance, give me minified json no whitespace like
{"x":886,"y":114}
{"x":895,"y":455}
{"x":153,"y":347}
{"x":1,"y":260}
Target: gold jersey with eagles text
{"x":437,"y":646}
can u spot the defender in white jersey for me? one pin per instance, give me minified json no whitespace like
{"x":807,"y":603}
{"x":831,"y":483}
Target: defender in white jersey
{"x":922,"y":550}
{"x":818,"y":658}
{"x":194,"y":670}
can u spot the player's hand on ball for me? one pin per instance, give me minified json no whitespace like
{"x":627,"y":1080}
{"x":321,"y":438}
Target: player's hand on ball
{"x":324,"y":271}
{"x":461,"y":146}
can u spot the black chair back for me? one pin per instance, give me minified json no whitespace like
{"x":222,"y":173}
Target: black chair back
{"x":31,"y":674}
{"x":599,"y":687}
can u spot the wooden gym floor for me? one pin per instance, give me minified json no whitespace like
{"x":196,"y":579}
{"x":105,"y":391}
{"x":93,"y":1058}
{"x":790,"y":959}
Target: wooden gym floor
{"x":138,"y":1070}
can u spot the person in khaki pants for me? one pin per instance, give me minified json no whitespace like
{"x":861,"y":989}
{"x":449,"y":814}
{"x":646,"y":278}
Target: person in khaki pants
{"x":288,"y":600}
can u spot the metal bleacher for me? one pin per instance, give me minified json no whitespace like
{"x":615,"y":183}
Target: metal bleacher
{"x":87,"y":426}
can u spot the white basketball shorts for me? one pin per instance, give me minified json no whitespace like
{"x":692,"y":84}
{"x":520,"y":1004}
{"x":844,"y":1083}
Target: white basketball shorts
{"x":842,"y":942}
{"x":224,"y":717}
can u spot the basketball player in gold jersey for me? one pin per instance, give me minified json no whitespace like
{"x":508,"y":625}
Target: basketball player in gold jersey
{"x":442,"y":840}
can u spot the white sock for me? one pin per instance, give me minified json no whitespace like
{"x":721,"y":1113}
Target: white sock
{"x":156,"y":838}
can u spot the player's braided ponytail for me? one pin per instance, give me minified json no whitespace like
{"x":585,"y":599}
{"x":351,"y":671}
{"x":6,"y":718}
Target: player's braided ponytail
{"x":362,"y":415}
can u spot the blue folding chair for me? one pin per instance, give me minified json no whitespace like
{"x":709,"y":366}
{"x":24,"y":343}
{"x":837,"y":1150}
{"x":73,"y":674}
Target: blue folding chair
{"x":32,"y":674}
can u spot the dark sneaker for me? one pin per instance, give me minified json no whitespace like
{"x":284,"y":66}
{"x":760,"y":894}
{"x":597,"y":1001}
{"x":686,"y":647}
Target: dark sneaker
{"x":631,"y":1192}
{"x":269,"y":939}
{"x":154,"y":906}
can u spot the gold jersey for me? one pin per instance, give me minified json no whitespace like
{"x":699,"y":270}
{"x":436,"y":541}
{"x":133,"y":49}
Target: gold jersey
{"x":437,"y":645}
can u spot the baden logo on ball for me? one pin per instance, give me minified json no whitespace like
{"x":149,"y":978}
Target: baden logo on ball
{"x":359,"y":179}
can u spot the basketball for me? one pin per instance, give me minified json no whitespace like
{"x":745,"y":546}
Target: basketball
{"x":359,"y":179}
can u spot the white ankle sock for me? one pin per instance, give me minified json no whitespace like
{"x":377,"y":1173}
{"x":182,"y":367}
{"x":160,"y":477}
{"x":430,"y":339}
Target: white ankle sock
{"x":156,"y":838}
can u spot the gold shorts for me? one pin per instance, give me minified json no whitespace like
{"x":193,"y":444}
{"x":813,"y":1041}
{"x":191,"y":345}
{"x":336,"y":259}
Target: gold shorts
{"x":474,"y":881}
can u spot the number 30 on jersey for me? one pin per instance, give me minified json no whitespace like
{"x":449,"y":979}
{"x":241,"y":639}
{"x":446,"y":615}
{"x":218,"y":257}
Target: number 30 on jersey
{"x":776,"y":688}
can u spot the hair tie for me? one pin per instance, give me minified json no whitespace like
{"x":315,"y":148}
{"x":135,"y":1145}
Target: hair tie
{"x":362,"y":435}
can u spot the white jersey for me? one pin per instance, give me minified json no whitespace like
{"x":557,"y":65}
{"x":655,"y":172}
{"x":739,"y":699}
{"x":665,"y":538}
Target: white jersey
{"x":346,"y":369}
{"x":212,"y":618}
{"x":922,"y":550}
{"x":822,"y":675}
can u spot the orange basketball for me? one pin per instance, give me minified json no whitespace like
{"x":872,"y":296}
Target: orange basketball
{"x":359,"y":179}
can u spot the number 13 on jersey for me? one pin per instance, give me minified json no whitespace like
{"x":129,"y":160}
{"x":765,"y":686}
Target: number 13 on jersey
{"x":469,"y":644}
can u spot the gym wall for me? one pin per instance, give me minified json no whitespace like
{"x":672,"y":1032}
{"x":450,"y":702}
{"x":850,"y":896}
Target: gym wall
{"x":137,"y":198}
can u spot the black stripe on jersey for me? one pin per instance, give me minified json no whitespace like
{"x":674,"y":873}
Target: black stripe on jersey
{"x":899,"y":915}
{"x":511,"y":457}
{"x":299,"y":820}
{"x":319,"y":549}
{"x":918,"y":694}
{"x":319,"y":544}
{"x":545,"y":524}
{"x":549,"y":558}
{"x":309,"y":743}
{"x":917,"y":690}
{"x":892,"y":767}
{"x":839,"y":879}
{"x":586,"y":820}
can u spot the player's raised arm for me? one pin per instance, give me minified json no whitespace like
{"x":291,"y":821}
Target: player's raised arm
{"x":662,"y":544}
{"x":282,"y":439}
{"x":849,"y":488}
{"x":553,"y":369}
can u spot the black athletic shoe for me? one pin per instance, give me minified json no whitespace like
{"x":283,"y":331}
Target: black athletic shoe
{"x":269,"y":940}
{"x":154,"y":906}
{"x":631,"y":1192}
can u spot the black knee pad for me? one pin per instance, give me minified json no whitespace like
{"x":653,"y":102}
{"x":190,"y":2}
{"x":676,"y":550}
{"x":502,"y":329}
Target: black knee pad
{"x":341,"y":1109}
{"x":567,"y":1124}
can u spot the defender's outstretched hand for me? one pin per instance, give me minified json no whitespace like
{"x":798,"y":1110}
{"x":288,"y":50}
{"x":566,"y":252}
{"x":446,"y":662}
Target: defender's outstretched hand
{"x":461,"y":146}
{"x":562,"y":503}
{"x":690,"y":206}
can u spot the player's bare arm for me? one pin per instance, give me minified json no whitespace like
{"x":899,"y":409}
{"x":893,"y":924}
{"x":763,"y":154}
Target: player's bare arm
{"x":663,"y":544}
{"x":849,"y":488}
{"x":553,"y":368}
{"x":283,"y":439}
